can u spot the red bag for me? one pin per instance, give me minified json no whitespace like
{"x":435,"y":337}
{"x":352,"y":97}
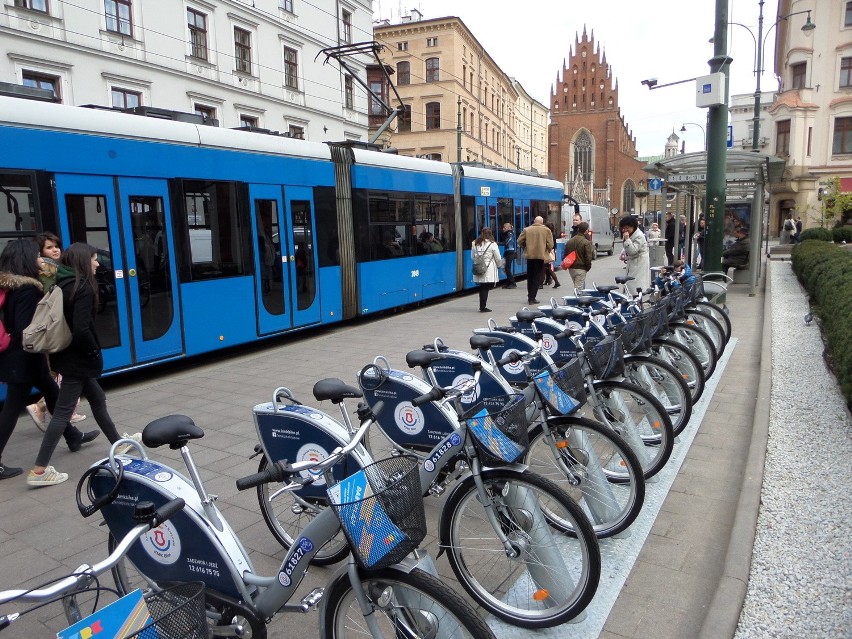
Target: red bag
{"x":569,"y":260}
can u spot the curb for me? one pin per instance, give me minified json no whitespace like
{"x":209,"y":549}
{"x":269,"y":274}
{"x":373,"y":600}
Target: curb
{"x":723,"y":613}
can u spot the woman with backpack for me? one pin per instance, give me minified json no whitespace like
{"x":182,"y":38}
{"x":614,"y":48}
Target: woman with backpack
{"x":80,"y":364}
{"x":19,"y":272}
{"x":485,"y":250}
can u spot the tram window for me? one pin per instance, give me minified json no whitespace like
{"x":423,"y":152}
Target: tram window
{"x":151,"y":249}
{"x":325,"y":211}
{"x":269,"y":255}
{"x":505,"y":209}
{"x":89,"y":223}
{"x":17,"y":203}
{"x":213,"y":229}
{"x":468,"y":213}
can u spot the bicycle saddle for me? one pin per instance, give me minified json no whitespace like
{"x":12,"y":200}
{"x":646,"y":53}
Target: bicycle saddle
{"x":421,"y":358}
{"x":335,"y":390}
{"x":563,"y":313}
{"x":587,"y":300}
{"x":528,"y":316}
{"x":607,"y":288}
{"x":174,"y":430}
{"x":484,"y":342}
{"x":623,"y":279}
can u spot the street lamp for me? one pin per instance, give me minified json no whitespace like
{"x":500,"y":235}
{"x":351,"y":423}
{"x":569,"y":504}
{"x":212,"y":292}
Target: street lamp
{"x":703,"y":132}
{"x":759,"y":45}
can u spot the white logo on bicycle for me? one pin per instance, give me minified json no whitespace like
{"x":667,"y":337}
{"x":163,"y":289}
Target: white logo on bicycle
{"x":515,"y":368}
{"x":549,"y":344}
{"x":470,"y":396}
{"x":409,"y":419}
{"x":313,"y":453}
{"x":162,"y":543}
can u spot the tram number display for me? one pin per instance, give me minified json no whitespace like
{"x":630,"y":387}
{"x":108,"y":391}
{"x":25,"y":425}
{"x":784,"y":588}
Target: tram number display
{"x":415,"y":273}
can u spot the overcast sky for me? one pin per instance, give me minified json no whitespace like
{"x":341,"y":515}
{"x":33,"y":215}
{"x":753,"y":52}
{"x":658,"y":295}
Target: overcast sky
{"x":663,"y":39}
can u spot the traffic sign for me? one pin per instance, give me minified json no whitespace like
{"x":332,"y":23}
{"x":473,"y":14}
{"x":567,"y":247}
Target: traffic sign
{"x":654,"y":185}
{"x":730,"y":142}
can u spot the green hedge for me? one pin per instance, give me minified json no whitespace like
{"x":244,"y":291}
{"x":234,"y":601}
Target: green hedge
{"x":842,"y":234}
{"x":826,"y":273}
{"x":817,"y":234}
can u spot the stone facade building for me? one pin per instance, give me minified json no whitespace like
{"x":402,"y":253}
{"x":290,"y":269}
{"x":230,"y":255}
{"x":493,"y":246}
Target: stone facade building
{"x":591,"y":148}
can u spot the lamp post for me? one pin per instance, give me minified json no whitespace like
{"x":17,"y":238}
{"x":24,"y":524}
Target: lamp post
{"x":703,"y":132}
{"x":759,"y":45}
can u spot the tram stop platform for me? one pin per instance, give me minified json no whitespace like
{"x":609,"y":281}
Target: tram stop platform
{"x":685,"y":578}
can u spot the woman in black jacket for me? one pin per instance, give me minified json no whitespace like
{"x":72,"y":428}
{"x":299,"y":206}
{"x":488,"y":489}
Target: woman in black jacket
{"x":80,"y":364}
{"x":19,"y":271}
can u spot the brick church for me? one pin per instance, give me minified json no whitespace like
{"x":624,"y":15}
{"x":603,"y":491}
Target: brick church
{"x":591,"y":148}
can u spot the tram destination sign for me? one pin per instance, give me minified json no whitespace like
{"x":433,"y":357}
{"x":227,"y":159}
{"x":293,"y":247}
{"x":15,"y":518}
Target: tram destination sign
{"x":738,"y":176}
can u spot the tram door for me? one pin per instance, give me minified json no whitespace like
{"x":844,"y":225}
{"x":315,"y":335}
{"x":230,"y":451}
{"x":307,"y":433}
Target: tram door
{"x":136,"y":316}
{"x":285,"y":259}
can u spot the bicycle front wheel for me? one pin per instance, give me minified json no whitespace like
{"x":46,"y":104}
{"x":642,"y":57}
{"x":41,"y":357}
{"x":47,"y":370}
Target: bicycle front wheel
{"x":550,"y":571}
{"x":407,"y":605}
{"x":698,"y":344}
{"x":684,"y":362}
{"x":663,"y":382}
{"x":639,"y":418}
{"x":594,"y":466}
{"x":287,"y":514}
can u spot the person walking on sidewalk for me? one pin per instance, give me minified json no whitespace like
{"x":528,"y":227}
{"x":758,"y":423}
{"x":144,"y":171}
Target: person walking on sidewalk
{"x":636,"y":248}
{"x":550,"y":261}
{"x":585,"y":253}
{"x":20,"y":370}
{"x":537,"y":241}
{"x":50,"y":249}
{"x":486,"y":247}
{"x":510,"y":251}
{"x":80,"y":364}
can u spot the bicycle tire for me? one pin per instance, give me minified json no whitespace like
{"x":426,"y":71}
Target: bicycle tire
{"x":287,"y":515}
{"x":639,"y":418}
{"x":682,"y":360}
{"x":664,"y":382}
{"x":566,"y":558}
{"x":706,"y":323}
{"x":718,"y":314}
{"x":426,"y":602}
{"x":610,"y":508}
{"x":698,"y":343}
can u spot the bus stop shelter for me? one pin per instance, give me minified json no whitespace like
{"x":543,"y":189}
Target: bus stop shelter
{"x":748,"y":174}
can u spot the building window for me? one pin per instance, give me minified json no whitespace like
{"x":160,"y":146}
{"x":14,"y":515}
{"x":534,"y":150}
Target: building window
{"x":39,"y":81}
{"x":349,"y":90}
{"x":346,"y":34}
{"x":403,"y":73}
{"x":846,"y":72}
{"x":291,"y":68}
{"x":847,"y":21}
{"x":402,"y":46}
{"x":286,"y":5}
{"x":35,"y":5}
{"x":405,"y":119}
{"x":206,"y":112}
{"x":431,"y":42}
{"x":842,"y":142}
{"x":248,"y":121}
{"x":432,"y":156}
{"x":297,"y":132}
{"x":629,"y":195}
{"x":118,"y":16}
{"x":432,"y":70}
{"x":376,"y":107}
{"x":782,"y":138}
{"x":197,"y":23}
{"x":798,"y":71}
{"x":242,"y":50}
{"x":124,"y":99}
{"x":433,"y":115}
{"x":583,"y":157}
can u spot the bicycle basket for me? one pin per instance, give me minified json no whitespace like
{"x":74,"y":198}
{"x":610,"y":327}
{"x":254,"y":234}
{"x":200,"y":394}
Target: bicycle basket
{"x":660,"y":323}
{"x":605,"y":355}
{"x":565,"y":390}
{"x":381,"y":511}
{"x":499,"y":428}
{"x":631,"y":333}
{"x":177,"y":613}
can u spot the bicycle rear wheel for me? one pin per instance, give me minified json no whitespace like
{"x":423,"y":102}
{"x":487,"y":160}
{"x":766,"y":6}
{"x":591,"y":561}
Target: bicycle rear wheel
{"x":718,"y":314}
{"x":594,"y":466}
{"x":556,"y":568}
{"x":665,"y":383}
{"x":714,"y":330}
{"x":407,"y":605}
{"x":286,"y":515}
{"x":684,"y":362}
{"x":639,"y":418}
{"x":698,"y":344}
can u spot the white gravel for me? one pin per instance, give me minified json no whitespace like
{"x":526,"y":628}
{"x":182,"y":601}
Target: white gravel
{"x":801,"y":573}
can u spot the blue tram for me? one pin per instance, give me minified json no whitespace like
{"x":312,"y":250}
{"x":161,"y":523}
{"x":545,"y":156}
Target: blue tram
{"x":209,"y":237}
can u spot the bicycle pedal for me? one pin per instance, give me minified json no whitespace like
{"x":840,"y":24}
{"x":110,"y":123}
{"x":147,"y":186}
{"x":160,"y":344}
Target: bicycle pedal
{"x":312,"y":599}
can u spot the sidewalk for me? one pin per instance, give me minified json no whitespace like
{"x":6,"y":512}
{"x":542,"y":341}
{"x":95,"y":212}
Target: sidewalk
{"x":668,"y":592}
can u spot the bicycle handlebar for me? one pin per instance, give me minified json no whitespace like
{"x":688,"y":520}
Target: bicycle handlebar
{"x":86,"y":572}
{"x":278,"y":471}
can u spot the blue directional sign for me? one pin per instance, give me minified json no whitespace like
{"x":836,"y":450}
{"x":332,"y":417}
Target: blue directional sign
{"x":655,"y":184}
{"x":730,"y":143}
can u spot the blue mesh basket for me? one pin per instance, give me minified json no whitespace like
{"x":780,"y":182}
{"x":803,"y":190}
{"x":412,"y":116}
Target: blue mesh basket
{"x":499,"y":428}
{"x":605,"y":355}
{"x":563,"y":390}
{"x":381,"y":511}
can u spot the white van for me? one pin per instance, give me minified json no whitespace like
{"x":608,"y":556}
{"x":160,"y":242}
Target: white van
{"x":603,"y":237}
